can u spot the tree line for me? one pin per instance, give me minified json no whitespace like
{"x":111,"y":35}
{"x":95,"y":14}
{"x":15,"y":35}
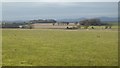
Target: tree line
{"x":86,"y":23}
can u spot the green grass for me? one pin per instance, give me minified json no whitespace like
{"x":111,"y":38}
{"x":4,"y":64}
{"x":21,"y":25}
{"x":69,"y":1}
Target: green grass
{"x":42,"y":47}
{"x":0,"y":48}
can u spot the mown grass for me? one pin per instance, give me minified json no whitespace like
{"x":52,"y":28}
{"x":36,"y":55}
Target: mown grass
{"x":44,"y":47}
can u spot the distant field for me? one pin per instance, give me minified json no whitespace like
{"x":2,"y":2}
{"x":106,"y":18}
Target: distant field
{"x":49,"y":47}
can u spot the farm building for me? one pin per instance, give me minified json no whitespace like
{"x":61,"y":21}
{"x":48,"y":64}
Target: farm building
{"x":53,"y":25}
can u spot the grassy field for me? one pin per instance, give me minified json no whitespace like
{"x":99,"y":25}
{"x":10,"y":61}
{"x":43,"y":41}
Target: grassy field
{"x":42,"y":47}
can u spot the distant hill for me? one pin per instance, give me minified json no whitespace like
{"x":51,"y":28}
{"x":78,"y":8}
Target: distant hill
{"x":103,"y":19}
{"x":71,"y":20}
{"x":109,"y":19}
{"x":16,"y":21}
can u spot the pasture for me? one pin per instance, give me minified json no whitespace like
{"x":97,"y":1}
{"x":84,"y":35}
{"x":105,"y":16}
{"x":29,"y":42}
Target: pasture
{"x":54,"y":47}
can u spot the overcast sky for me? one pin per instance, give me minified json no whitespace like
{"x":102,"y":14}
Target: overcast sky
{"x":57,"y":10}
{"x":60,"y":0}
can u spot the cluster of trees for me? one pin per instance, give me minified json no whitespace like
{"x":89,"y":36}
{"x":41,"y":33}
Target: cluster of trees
{"x":89,"y":22}
{"x":16,"y":25}
{"x":43,"y":21}
{"x":93,"y":22}
{"x":11,"y":25}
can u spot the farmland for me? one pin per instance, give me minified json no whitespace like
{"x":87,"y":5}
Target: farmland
{"x":55,"y":47}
